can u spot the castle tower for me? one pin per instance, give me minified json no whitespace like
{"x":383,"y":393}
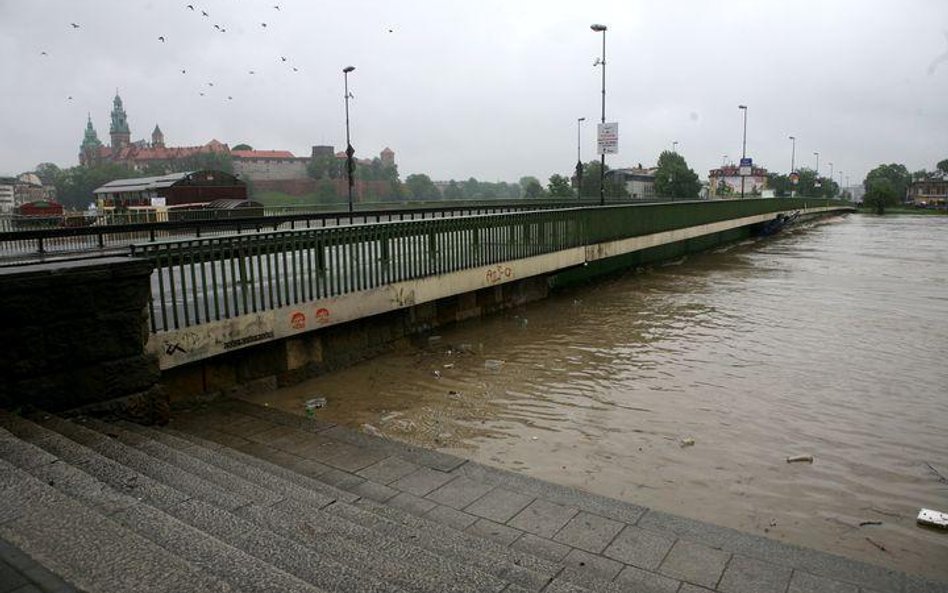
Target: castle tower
{"x":89,"y":150}
{"x":157,"y":138}
{"x":388,"y":157}
{"x":119,"y":132}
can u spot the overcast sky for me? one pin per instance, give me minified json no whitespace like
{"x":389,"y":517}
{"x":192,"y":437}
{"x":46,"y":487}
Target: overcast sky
{"x":490,"y":89}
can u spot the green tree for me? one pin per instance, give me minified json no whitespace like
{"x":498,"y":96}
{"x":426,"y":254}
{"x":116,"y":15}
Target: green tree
{"x":880,"y":194}
{"x":559,"y":187}
{"x":47,"y":173}
{"x":531,"y":188}
{"x":942,"y":168}
{"x":218,"y":161}
{"x":612,"y":187}
{"x":780,"y":184}
{"x":674,"y":179}
{"x":420,"y":187}
{"x":897,"y":175}
{"x":326,"y":166}
{"x":242,"y":147}
{"x":453,"y":191}
{"x":74,"y":186}
{"x":807,"y":183}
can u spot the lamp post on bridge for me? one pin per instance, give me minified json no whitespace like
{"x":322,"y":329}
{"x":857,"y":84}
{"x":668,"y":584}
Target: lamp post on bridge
{"x":817,"y":155}
{"x":793,"y":153}
{"x":579,"y":159}
{"x":744,"y":147}
{"x":350,"y":165}
{"x":675,"y":146}
{"x":602,"y":62}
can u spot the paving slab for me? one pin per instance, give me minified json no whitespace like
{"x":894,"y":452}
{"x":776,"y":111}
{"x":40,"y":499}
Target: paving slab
{"x":452,"y":517}
{"x":748,"y":575}
{"x":695,"y":563}
{"x":422,"y":481}
{"x":644,"y":581}
{"x":585,"y":564}
{"x":411,"y":503}
{"x":459,"y":492}
{"x":802,"y":582}
{"x":589,"y":532}
{"x":495,"y":531}
{"x":388,"y":470}
{"x":499,"y":504}
{"x":543,"y":518}
{"x":541,"y":547}
{"x":641,"y":547}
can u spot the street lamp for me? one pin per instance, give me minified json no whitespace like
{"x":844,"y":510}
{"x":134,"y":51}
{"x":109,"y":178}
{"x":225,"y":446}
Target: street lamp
{"x":817,"y":155}
{"x":579,"y":160}
{"x":793,"y":152}
{"x":675,"y":147}
{"x":831,"y":170}
{"x":350,"y":165}
{"x":743,"y":146}
{"x":723,"y":160}
{"x":602,"y":62}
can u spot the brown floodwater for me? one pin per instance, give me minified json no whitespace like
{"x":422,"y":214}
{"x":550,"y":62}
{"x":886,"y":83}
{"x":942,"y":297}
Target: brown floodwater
{"x":685,"y":387}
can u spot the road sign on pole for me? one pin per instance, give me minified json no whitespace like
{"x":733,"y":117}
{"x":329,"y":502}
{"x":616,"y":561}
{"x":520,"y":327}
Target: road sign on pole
{"x":608,"y":139}
{"x":747,"y":166}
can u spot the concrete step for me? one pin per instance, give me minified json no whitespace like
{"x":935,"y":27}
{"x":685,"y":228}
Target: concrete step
{"x":284,"y":553}
{"x":512,"y":565}
{"x":71,"y":541}
{"x":301,"y":518}
{"x":242,"y":571}
{"x":407,"y":566}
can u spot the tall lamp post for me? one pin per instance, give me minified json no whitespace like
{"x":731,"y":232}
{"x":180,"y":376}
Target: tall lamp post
{"x":602,"y":62}
{"x":831,"y":170}
{"x":793,"y":152}
{"x":350,"y":165}
{"x":675,"y":147}
{"x":579,"y":159}
{"x":743,"y":146}
{"x":817,"y":155}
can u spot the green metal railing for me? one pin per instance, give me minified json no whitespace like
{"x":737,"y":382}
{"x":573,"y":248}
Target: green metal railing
{"x":214,"y":278}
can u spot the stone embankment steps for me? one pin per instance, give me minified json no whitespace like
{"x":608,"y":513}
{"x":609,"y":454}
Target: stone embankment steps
{"x":239,"y":497}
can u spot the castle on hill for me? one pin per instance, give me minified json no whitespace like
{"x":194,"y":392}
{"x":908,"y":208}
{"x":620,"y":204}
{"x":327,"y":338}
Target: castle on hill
{"x":273,"y":169}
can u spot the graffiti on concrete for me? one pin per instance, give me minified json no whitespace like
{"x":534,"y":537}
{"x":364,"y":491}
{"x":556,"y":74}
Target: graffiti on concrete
{"x":499,"y":273}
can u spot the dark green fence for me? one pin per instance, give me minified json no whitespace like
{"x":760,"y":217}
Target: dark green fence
{"x":215,"y":278}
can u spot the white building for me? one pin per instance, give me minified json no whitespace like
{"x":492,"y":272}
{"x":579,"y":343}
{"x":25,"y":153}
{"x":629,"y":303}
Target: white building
{"x":7,"y":202}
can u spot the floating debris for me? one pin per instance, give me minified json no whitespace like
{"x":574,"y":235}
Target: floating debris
{"x":932,"y":518}
{"x":449,"y":365}
{"x":686,"y":442}
{"x":876,"y":544}
{"x":315,"y":403}
{"x":493,"y":365}
{"x":369,"y":429}
{"x":864,"y":523}
{"x":800,"y":459}
{"x":437,"y":374}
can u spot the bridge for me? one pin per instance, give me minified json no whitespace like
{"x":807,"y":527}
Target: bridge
{"x":301,"y":296}
{"x":215,"y":294}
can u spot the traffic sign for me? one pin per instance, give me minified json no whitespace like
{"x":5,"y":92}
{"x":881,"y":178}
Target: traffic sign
{"x":608,"y":140}
{"x":747,"y":162}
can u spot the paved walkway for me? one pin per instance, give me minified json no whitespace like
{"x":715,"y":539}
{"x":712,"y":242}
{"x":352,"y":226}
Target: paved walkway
{"x":595,"y":539}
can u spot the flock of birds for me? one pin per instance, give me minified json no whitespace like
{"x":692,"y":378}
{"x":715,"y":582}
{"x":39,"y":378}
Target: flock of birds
{"x":218,"y":27}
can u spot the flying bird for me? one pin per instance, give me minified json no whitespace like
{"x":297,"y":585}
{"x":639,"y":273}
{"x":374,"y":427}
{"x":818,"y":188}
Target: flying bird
{"x":282,"y":58}
{"x":202,"y":94}
{"x":203,"y":12}
{"x":74,"y":25}
{"x":264,"y":25}
{"x":184,"y":71}
{"x":229,"y":98}
{"x":218,"y":27}
{"x":43,"y":53}
{"x":223,"y":30}
{"x":277,"y":6}
{"x":161,"y":38}
{"x":210,"y":84}
{"x":295,"y":69}
{"x":252,"y":72}
{"x":191,"y":6}
{"x":69,"y":98}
